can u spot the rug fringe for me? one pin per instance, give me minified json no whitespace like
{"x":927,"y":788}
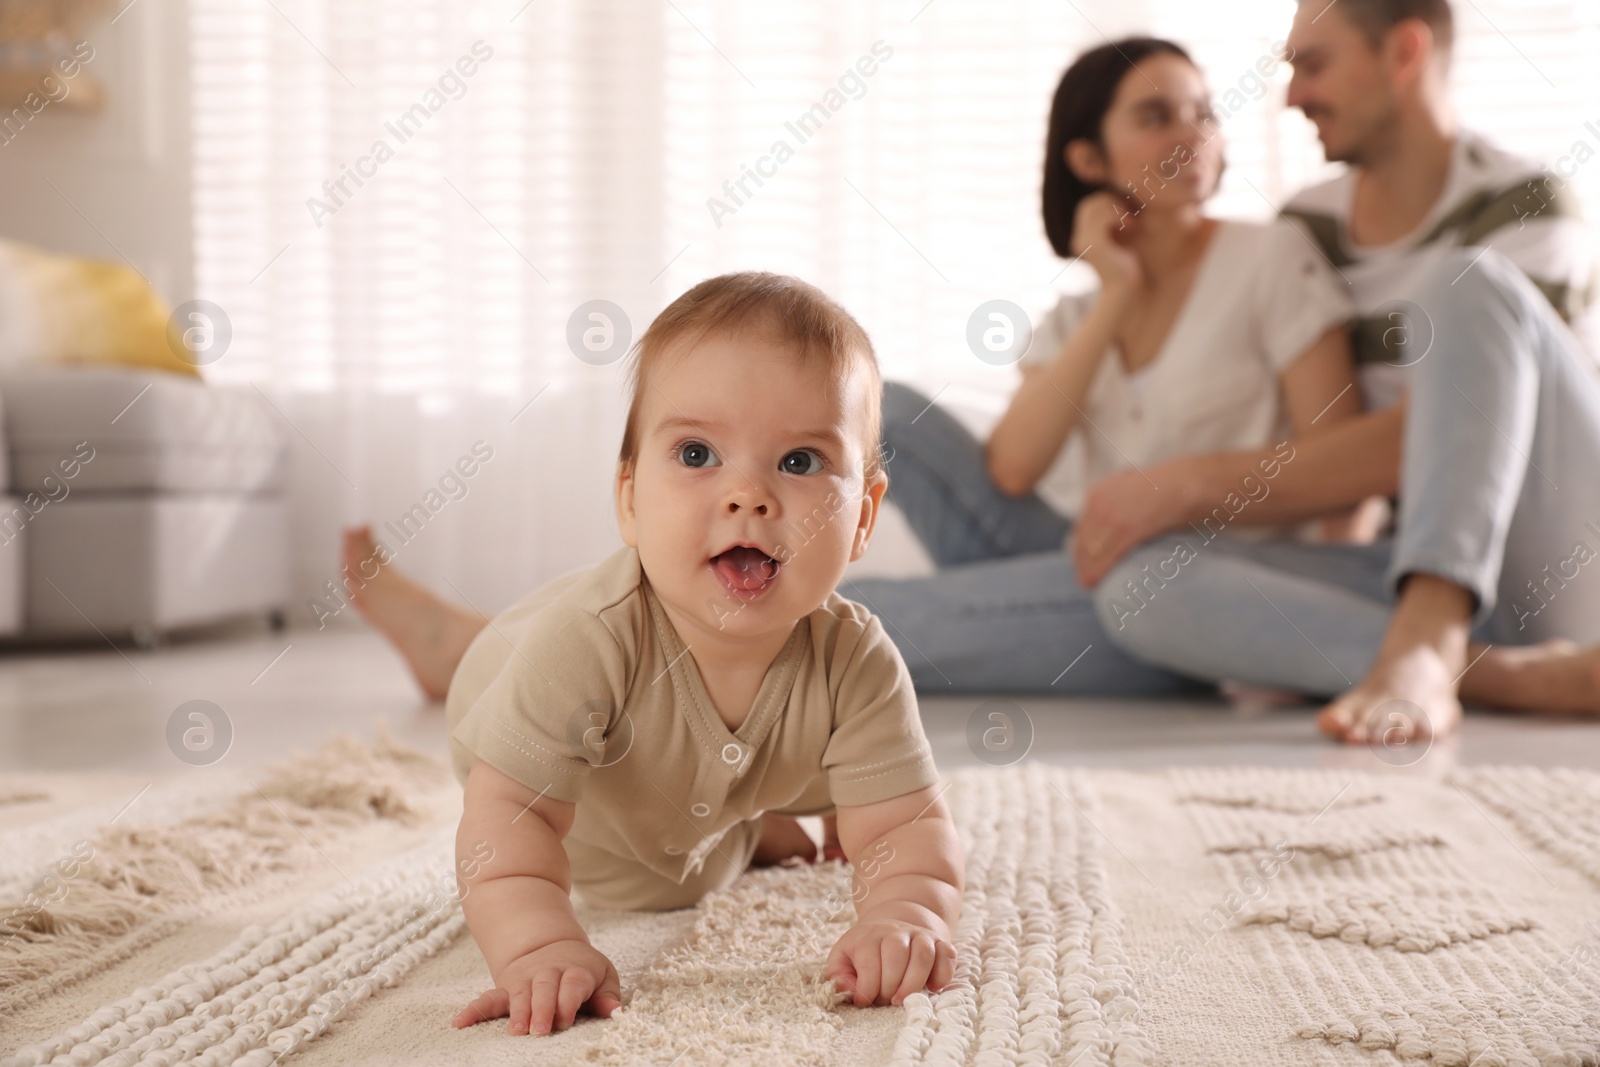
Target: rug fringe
{"x":128,"y":875}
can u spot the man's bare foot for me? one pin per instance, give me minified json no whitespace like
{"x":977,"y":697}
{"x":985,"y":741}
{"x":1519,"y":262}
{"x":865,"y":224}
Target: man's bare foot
{"x":1554,"y":676}
{"x":1410,"y":693}
{"x":781,"y":838}
{"x":430,"y":633}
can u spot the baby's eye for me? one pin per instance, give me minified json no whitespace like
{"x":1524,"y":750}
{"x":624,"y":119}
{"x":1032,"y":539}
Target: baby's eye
{"x":695,"y":454}
{"x":801,"y":461}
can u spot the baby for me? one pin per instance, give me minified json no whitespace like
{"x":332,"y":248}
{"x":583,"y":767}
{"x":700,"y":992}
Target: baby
{"x":624,"y":729}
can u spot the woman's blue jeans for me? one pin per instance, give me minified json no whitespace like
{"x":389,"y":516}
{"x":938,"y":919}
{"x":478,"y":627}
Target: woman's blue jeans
{"x":1004,"y":613}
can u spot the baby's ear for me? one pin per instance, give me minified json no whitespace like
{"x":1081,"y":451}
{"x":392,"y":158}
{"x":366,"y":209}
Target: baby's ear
{"x":627,"y":523}
{"x":871,"y":501}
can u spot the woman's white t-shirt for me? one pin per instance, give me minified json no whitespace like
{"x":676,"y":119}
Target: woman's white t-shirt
{"x":1261,"y":295}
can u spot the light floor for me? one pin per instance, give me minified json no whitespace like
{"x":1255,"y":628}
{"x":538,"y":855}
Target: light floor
{"x":99,"y":709}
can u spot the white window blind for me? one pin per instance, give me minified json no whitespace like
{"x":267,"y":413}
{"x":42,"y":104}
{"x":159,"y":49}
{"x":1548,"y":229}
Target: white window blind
{"x":591,"y":156}
{"x":580,"y":159}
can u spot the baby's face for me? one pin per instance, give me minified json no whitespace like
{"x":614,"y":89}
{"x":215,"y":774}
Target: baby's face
{"x":747,"y":498}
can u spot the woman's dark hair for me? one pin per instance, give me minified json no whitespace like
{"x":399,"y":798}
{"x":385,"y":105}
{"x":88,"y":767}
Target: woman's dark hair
{"x":1078,"y":111}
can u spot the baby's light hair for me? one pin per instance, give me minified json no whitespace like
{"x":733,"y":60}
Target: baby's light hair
{"x":794,"y":313}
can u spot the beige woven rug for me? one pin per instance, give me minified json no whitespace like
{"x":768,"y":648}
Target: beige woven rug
{"x":1192,"y":917}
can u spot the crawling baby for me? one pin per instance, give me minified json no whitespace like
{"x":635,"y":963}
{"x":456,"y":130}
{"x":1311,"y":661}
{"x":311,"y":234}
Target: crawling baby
{"x":642,"y":730}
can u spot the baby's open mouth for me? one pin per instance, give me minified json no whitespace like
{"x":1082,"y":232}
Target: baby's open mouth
{"x":743,"y":568}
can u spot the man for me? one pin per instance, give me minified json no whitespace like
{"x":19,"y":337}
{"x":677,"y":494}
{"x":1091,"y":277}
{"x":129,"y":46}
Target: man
{"x":1463,"y":262}
{"x":1415,"y":179}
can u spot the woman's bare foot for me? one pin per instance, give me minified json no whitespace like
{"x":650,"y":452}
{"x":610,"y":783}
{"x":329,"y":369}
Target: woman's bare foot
{"x":430,"y":633}
{"x":1555,"y":676}
{"x":782,"y":838}
{"x":1410,"y":693}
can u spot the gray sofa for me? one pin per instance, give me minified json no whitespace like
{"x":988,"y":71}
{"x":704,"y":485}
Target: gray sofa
{"x":139,"y":503}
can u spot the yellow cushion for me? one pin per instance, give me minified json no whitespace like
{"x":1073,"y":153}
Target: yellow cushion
{"x":85,"y":311}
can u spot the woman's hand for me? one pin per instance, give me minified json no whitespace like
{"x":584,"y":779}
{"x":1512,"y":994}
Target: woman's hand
{"x":1101,"y":228}
{"x":1121,"y":512}
{"x":544,"y":990}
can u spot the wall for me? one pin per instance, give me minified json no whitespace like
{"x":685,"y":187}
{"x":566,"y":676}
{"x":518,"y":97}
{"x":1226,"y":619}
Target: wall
{"x":120,"y":175}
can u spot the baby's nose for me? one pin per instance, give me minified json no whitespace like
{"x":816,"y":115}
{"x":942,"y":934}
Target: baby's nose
{"x":750,"y":494}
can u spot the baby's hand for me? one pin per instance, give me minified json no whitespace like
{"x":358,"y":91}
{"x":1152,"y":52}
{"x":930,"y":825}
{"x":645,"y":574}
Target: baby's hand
{"x":544,"y":990}
{"x":883,"y":961}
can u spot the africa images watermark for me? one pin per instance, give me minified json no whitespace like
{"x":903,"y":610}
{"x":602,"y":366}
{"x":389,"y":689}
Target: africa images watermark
{"x":51,"y":888}
{"x":451,"y":85}
{"x":1556,"y":177}
{"x":454,"y":485}
{"x":798,"y":534}
{"x":1249,"y":87}
{"x":53,"y":490}
{"x":50,"y":90}
{"x":1141,"y":591}
{"x":1253,"y":887}
{"x":852,"y":85}
{"x":1556,"y":577}
{"x":1557,"y":974}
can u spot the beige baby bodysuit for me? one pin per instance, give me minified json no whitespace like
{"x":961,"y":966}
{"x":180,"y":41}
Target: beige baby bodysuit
{"x":583,"y":691}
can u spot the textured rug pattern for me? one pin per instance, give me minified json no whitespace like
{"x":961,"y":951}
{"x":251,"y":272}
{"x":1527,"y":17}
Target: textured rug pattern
{"x":276,"y":987}
{"x":1042,"y":976}
{"x":111,"y":892}
{"x":1228,"y":916}
{"x":1386,"y":933}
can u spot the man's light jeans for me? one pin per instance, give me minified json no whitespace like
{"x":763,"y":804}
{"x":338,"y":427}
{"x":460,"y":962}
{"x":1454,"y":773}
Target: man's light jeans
{"x":1500,"y":493}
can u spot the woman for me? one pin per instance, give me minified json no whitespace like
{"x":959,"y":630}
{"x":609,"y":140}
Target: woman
{"x":1204,"y":335}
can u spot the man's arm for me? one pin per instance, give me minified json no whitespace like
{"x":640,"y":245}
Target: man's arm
{"x":1335,"y":469}
{"x":1305,"y":479}
{"x":1320,"y":390}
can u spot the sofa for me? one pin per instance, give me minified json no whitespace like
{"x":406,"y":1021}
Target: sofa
{"x":11,"y":550}
{"x":137,"y":503}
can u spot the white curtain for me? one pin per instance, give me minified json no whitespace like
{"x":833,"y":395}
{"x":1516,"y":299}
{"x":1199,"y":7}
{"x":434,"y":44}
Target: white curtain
{"x":504,"y":162}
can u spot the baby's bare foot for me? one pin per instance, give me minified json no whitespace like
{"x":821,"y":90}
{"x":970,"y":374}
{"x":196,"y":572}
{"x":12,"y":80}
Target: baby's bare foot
{"x":430,"y":633}
{"x":782,"y":838}
{"x":1406,"y":698}
{"x":831,"y":848}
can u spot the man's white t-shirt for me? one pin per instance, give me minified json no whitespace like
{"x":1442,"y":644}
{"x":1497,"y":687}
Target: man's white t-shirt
{"x":1491,"y":198}
{"x":1261,"y":296}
